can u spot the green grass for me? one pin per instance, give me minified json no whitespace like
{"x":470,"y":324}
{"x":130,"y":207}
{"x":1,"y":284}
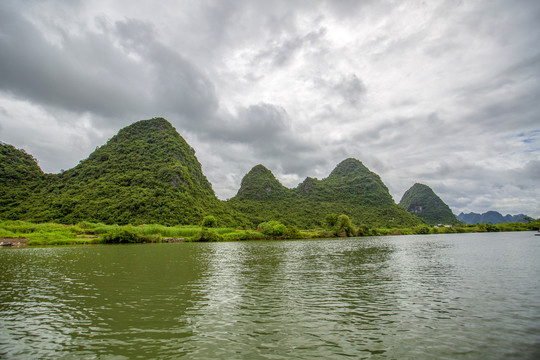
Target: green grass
{"x":45,"y":234}
{"x":98,"y":233}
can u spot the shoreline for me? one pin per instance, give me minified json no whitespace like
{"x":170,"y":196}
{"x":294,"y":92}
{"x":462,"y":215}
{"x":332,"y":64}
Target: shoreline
{"x":14,"y":242}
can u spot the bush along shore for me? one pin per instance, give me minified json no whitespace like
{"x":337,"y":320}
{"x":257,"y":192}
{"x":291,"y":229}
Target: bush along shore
{"x":21,"y":233}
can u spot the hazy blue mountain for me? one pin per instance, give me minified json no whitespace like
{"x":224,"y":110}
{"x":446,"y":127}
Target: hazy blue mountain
{"x":490,"y":217}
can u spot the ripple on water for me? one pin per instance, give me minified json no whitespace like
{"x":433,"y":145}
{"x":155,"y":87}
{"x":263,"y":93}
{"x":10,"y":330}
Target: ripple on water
{"x":400,"y":297}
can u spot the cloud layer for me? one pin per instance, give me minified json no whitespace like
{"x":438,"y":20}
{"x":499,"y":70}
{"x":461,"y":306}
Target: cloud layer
{"x":443,"y":93}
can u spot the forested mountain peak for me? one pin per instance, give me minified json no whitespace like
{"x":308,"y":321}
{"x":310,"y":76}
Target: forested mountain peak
{"x":16,"y":165}
{"x":422,"y":201}
{"x":143,"y":128}
{"x":152,"y":147}
{"x":19,"y":176}
{"x":259,"y":184}
{"x":147,"y":173}
{"x":349,"y":168}
{"x":350,"y":189}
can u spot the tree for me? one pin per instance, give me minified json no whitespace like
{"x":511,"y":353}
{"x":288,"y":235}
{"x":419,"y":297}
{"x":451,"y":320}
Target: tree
{"x":331,"y":220}
{"x":272,"y":228}
{"x":209,"y":222}
{"x":344,"y":225}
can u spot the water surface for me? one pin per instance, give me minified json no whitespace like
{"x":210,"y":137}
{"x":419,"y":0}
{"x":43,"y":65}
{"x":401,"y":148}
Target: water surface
{"x":453,"y":296}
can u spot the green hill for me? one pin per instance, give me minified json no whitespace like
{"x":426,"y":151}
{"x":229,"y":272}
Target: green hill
{"x":423,"y":202}
{"x":20,"y":175}
{"x":147,"y":173}
{"x":260,"y":184}
{"x":350,"y":189}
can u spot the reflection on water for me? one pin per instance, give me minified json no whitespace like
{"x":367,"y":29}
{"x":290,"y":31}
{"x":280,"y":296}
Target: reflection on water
{"x":444,"y":296}
{"x":280,"y":298}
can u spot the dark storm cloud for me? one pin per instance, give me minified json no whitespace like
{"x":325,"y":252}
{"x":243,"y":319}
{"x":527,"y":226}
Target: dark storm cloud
{"x":346,"y":89}
{"x":265,"y":128}
{"x":178,"y":86}
{"x":71,"y":77}
{"x":261,"y":123}
{"x":88,"y":73}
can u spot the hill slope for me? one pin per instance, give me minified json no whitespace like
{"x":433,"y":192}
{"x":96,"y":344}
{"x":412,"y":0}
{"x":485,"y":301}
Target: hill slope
{"x":350,"y":189}
{"x":260,"y":184}
{"x":19,"y":177}
{"x":147,"y":173}
{"x":423,"y":202}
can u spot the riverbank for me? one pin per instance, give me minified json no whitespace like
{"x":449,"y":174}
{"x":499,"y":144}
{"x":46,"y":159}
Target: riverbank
{"x":22,"y":233}
{"x":13,"y":242}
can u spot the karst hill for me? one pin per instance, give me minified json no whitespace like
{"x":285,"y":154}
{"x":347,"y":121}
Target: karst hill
{"x":351,"y":189}
{"x":148,"y":173}
{"x":422,"y":201}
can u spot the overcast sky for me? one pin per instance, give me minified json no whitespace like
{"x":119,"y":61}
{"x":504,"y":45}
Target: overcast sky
{"x":445,"y":93}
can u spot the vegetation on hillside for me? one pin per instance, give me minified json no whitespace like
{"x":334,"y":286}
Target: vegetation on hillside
{"x":147,"y":173}
{"x":351,"y":189}
{"x":20,"y":176}
{"x":421,"y":201}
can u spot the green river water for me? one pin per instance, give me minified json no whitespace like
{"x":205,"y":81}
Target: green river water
{"x":458,"y":296}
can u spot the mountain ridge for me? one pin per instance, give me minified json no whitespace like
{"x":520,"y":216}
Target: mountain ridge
{"x":148,"y":173}
{"x":351,"y":189}
{"x":490,"y":217}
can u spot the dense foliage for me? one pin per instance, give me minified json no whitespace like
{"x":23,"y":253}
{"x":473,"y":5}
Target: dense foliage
{"x":17,"y":232}
{"x":351,"y":189}
{"x":147,"y":173}
{"x":423,"y":202}
{"x":19,"y":178}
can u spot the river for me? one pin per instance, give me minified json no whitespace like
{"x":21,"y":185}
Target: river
{"x":454,"y":296}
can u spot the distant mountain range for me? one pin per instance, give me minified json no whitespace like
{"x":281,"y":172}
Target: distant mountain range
{"x":491,"y":217}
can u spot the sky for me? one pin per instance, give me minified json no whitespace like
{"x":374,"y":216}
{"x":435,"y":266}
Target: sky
{"x":444,"y":93}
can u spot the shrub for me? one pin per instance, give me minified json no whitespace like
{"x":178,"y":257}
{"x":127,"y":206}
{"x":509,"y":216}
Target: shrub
{"x":331,"y":220}
{"x":272,"y":228}
{"x":244,"y":235}
{"x":422,"y":229}
{"x":278,"y":228}
{"x":266,"y":228}
{"x":207,"y":235}
{"x":292,"y":232}
{"x":121,"y":236}
{"x":363,"y":230}
{"x":344,"y":225}
{"x":209,"y":222}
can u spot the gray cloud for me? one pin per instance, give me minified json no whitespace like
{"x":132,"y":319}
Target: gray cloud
{"x":65,"y":77}
{"x":88,"y":73}
{"x":178,"y":86}
{"x":279,"y":53}
{"x":443,"y":93}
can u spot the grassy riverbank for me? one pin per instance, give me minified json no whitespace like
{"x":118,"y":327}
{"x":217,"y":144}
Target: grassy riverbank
{"x":96,"y":233}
